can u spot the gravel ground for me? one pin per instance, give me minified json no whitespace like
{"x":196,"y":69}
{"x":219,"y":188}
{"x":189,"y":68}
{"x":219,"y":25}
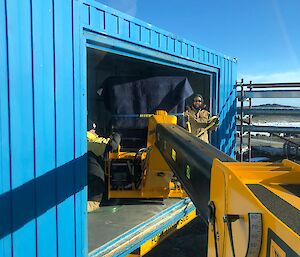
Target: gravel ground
{"x":190,"y":241}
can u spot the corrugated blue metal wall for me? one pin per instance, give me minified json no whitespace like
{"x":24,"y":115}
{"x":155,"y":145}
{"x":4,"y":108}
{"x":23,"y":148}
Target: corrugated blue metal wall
{"x":42,"y":184}
{"x":43,"y":112}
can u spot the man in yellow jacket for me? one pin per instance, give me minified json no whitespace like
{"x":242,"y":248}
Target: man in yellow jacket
{"x":199,"y":119}
{"x":97,"y":147}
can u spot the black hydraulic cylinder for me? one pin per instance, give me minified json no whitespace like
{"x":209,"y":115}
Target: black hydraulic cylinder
{"x":191,"y":161}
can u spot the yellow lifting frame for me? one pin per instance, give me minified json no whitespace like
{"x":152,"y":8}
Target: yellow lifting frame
{"x":231,"y":194}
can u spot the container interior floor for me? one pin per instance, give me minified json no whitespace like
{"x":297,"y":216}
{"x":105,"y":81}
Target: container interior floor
{"x":118,"y":216}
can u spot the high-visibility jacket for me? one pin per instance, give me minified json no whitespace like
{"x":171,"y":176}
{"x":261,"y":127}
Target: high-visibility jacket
{"x":96,"y":144}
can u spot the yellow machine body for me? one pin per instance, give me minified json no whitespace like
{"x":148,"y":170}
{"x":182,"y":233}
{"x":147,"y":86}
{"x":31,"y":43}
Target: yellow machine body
{"x":243,"y":189}
{"x":157,"y":181}
{"x":254,"y":207}
{"x":153,"y":242}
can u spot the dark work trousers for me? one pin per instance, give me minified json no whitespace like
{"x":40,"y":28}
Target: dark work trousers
{"x":95,"y":177}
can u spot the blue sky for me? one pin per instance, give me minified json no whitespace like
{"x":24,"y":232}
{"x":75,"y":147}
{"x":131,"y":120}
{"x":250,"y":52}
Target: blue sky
{"x":263,"y":35}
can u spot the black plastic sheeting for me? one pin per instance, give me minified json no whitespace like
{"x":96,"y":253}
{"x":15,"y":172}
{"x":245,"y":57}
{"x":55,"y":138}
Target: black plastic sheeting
{"x":125,"y":97}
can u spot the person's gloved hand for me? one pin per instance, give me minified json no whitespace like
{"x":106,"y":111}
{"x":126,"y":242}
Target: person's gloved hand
{"x":114,"y":142}
{"x":215,"y":120}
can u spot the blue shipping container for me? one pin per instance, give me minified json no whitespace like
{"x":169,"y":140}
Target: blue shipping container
{"x":45,"y":46}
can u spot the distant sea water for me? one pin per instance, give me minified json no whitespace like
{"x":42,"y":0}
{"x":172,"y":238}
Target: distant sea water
{"x":278,"y":121}
{"x":278,"y":124}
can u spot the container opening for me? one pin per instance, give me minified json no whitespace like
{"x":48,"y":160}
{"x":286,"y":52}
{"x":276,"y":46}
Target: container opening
{"x":117,"y":217}
{"x":104,"y":65}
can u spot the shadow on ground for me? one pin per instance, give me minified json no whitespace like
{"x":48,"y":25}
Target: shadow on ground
{"x":190,"y":241}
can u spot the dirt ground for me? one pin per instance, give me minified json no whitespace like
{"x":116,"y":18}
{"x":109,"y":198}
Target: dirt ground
{"x":190,"y":241}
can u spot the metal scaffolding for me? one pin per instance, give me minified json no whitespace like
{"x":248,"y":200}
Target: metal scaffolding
{"x":245,"y":113}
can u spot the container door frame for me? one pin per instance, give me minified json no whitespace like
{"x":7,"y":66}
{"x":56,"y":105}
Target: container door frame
{"x":88,"y":39}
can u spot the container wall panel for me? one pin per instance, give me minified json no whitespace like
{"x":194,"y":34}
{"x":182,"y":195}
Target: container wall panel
{"x":227,"y":103}
{"x":227,"y":107}
{"x":44,"y":202}
{"x":221,"y":107}
{"x":44,"y":125}
{"x":171,"y":44}
{"x":178,"y":47}
{"x":211,"y":59}
{"x":231,"y":109}
{"x":197,"y":54}
{"x":155,"y":39}
{"x":84,"y":12}
{"x":5,"y":197}
{"x":135,"y":33}
{"x":64,"y":126}
{"x":137,"y":29}
{"x":216,"y":60}
{"x":112,"y":24}
{"x":191,"y":52}
{"x":80,"y":134}
{"x":184,"y":50}
{"x":164,"y":42}
{"x":97,"y":18}
{"x":21,"y":127}
{"x":146,"y":36}
{"x":124,"y":28}
{"x":233,"y":78}
{"x":202,"y":55}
